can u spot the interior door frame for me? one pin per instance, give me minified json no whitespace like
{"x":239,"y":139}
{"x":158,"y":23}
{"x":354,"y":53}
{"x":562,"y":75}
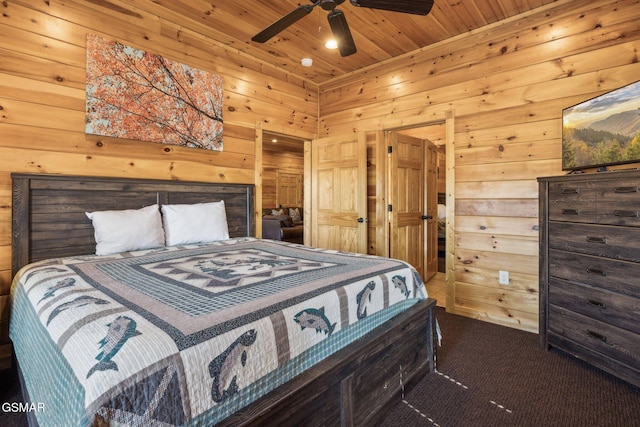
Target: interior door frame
{"x":305,"y":138}
{"x":448,"y":118}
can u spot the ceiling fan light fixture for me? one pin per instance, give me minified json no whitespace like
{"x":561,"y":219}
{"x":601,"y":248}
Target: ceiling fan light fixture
{"x":337,"y":20}
{"x":331,"y":44}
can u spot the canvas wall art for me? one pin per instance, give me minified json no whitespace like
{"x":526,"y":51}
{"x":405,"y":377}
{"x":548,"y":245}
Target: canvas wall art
{"x":137,"y":95}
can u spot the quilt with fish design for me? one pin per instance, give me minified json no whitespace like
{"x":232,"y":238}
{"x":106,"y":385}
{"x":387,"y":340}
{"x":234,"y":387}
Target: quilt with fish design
{"x":188,"y":335}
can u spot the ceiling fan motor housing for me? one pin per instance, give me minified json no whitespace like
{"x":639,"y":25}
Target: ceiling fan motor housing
{"x":330,"y":4}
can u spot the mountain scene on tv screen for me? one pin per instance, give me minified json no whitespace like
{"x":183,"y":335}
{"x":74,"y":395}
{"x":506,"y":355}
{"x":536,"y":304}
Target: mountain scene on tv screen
{"x":614,"y":139}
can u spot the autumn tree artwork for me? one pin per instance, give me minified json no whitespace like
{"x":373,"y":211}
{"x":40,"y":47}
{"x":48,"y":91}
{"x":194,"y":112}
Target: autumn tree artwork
{"x":136,"y":95}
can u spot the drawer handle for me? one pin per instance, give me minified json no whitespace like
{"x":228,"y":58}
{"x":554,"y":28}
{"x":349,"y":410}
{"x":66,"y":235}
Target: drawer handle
{"x":626,"y":190}
{"x":596,"y":303}
{"x":570,"y":212}
{"x":594,"y":239}
{"x":570,"y":191}
{"x":630,"y":214}
{"x":596,"y":335}
{"x":596,"y":271}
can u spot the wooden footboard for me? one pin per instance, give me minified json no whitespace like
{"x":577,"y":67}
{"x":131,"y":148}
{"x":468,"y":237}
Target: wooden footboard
{"x":355,"y":386}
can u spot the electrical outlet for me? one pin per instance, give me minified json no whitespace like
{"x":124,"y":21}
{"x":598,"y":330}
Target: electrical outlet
{"x":503,"y":277}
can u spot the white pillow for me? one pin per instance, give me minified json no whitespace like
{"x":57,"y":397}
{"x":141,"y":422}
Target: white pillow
{"x":127,"y":230}
{"x":197,"y":223}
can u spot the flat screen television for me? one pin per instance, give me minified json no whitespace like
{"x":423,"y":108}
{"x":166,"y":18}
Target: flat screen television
{"x":602,"y":131}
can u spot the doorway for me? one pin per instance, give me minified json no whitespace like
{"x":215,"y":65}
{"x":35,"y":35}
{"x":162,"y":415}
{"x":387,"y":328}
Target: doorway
{"x":282,"y":177}
{"x":436,"y":236}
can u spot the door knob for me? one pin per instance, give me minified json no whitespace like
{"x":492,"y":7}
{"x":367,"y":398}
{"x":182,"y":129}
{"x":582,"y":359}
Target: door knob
{"x":426,"y":217}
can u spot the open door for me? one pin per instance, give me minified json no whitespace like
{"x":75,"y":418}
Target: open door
{"x":339,"y":193}
{"x":413,"y":210}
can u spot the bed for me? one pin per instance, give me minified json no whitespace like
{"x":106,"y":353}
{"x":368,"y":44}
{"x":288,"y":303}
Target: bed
{"x":175,"y":335}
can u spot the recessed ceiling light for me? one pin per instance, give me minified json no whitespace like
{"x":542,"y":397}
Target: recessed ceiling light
{"x":306,"y":62}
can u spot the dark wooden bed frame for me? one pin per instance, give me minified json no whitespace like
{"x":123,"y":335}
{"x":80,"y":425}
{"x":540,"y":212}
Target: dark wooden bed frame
{"x":354,"y":386}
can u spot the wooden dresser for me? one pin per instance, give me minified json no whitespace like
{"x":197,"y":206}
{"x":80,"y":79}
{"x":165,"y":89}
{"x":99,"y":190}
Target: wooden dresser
{"x":590,"y":269}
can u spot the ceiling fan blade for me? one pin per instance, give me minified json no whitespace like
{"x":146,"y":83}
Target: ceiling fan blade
{"x":417,"y":7}
{"x":284,"y":22}
{"x":340,"y":30}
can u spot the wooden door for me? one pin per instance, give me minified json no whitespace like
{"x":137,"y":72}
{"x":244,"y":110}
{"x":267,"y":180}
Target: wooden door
{"x":408,"y":204}
{"x":288,"y":189}
{"x":413,"y":190}
{"x":339,"y":193}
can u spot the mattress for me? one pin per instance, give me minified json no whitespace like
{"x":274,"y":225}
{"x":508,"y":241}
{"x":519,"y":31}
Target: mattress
{"x":188,"y":335}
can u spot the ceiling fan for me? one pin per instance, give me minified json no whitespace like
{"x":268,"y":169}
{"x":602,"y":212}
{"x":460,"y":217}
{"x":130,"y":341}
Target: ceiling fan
{"x":338,"y":21}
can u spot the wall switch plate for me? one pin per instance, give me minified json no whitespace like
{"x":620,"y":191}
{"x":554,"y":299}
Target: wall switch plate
{"x":503,"y":277}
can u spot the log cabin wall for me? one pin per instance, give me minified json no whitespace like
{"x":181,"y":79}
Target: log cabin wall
{"x":42,"y":103}
{"x":505,"y":85}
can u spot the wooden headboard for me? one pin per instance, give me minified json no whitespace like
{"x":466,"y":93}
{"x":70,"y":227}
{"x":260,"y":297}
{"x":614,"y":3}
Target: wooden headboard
{"x":49,"y":218}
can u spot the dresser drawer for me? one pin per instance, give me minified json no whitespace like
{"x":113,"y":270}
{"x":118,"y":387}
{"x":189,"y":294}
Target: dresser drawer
{"x":572,"y":201}
{"x":613,"y":342}
{"x":618,"y":202}
{"x":600,"y":240}
{"x":618,"y":276}
{"x":609,"y":307}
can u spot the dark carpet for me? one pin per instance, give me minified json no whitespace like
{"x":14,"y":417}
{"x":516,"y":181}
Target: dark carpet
{"x":10,"y":393}
{"x":489,"y":375}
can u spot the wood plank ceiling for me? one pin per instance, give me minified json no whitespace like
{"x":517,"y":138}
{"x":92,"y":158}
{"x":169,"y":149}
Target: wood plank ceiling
{"x":378,"y":35}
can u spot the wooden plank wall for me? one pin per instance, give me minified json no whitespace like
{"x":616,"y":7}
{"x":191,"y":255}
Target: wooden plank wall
{"x":506,"y":85}
{"x":42,"y":101}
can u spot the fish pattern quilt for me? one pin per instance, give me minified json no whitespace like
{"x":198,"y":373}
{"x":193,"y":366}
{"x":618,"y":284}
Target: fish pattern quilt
{"x":188,"y":335}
